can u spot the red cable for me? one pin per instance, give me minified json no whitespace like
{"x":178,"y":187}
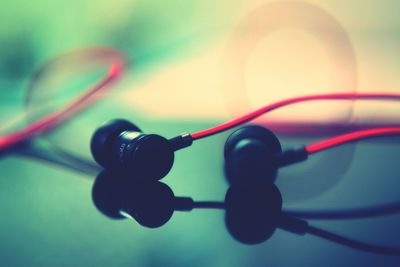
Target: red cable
{"x":351,"y":137}
{"x":252,"y":115}
{"x":52,"y":120}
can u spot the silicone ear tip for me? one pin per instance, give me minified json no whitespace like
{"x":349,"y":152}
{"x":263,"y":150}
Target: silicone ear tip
{"x":103,"y":137}
{"x":252,"y":132}
{"x":250,"y":155}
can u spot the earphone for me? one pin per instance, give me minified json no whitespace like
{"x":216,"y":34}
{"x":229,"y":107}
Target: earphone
{"x":253,"y":211}
{"x":254,"y":154}
{"x":124,"y":152}
{"x":120,"y":143}
{"x":134,"y":162}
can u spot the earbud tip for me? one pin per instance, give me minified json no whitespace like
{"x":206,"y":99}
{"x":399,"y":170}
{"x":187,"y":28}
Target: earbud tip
{"x":250,"y":155}
{"x":252,"y":132}
{"x":151,"y":157}
{"x":103,"y":137}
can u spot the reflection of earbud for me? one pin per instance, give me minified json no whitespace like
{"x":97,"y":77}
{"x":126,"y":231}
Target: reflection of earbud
{"x":252,"y":212}
{"x":254,"y":154}
{"x":121,"y":144}
{"x":150,"y":203}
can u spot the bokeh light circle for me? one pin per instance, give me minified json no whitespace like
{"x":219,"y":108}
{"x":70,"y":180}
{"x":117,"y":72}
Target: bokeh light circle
{"x":65,"y":86}
{"x":323,"y":171}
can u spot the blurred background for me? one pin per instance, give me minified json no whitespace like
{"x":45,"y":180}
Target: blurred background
{"x":191,"y":65}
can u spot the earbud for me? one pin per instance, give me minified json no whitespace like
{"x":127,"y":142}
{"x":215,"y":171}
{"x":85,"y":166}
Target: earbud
{"x":121,"y":144}
{"x":249,"y":154}
{"x":103,"y":141}
{"x":150,"y":203}
{"x":253,"y":154}
{"x":134,"y":162}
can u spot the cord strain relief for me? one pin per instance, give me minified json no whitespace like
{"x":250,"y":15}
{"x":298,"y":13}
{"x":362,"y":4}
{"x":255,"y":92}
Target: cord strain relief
{"x":183,"y":203}
{"x":181,"y":141}
{"x":293,"y":225}
{"x":291,"y":156}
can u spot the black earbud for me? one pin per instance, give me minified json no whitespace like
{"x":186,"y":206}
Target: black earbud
{"x":128,"y":187}
{"x":134,"y":162}
{"x":121,"y":144}
{"x":150,"y":203}
{"x":253,"y":154}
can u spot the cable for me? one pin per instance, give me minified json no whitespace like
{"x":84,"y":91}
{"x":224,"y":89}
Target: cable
{"x":50,"y":121}
{"x":344,"y":214}
{"x":252,"y":115}
{"x":351,"y":137}
{"x":69,"y":162}
{"x":352,"y":243}
{"x":209,"y":205}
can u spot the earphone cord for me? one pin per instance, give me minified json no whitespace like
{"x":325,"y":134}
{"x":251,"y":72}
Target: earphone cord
{"x":322,"y":145}
{"x":352,"y":243}
{"x":52,"y":120}
{"x":316,"y":231}
{"x":351,"y":137}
